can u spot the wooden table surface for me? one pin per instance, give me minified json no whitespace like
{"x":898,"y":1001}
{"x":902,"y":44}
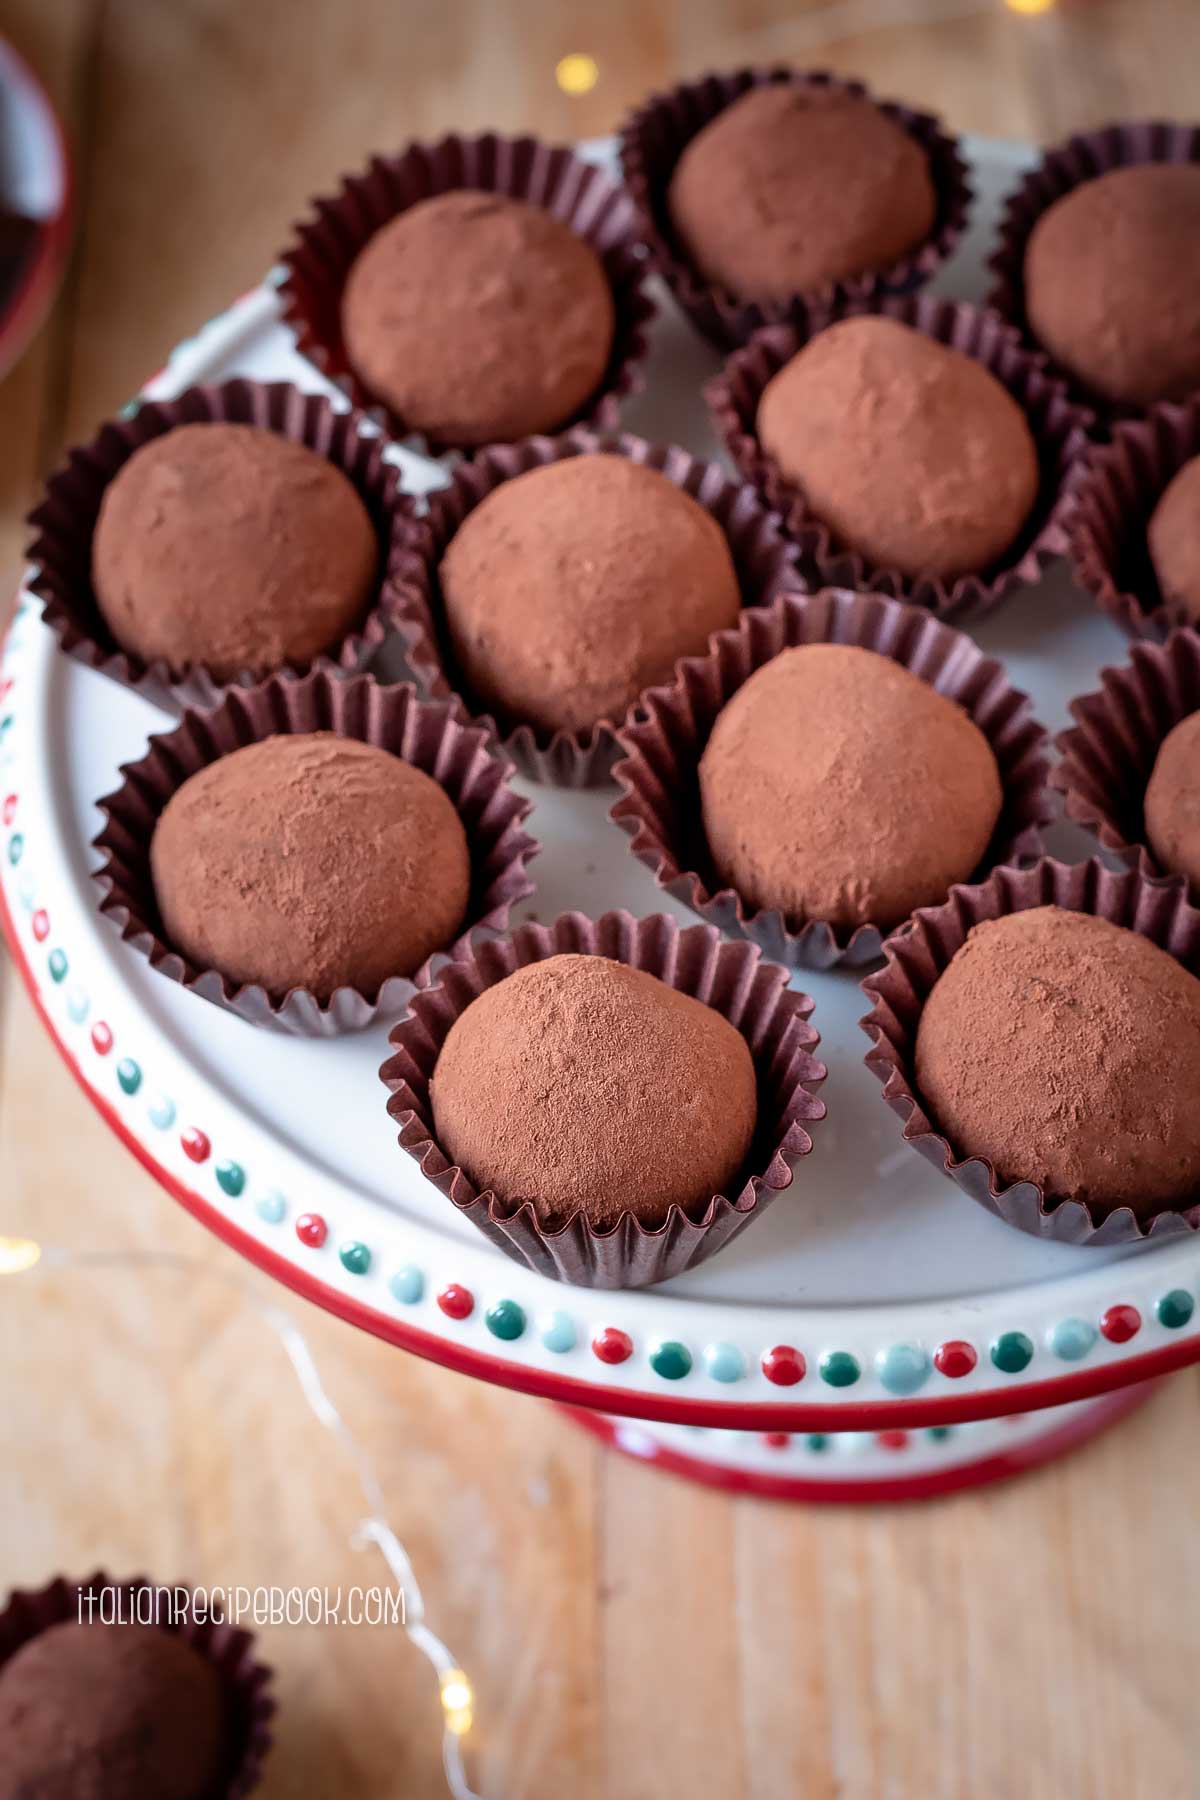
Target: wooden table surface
{"x":629,"y":1635}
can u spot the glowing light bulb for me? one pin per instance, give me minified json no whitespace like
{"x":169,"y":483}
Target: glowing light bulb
{"x":1029,"y":7}
{"x":18,"y":1254}
{"x":458,"y":1701}
{"x":577,"y":73}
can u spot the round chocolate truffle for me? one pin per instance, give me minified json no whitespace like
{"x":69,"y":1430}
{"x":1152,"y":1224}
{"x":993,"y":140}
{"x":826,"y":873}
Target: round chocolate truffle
{"x":478,"y":319}
{"x":791,"y":187}
{"x":1066,"y":1051}
{"x":312,"y":861}
{"x":93,"y":1711}
{"x":231,"y":547}
{"x":1174,"y":539}
{"x":910,"y":452}
{"x":836,"y":785}
{"x":577,"y":585}
{"x":1112,"y":271}
{"x":581,"y":1084}
{"x":1172,"y":803}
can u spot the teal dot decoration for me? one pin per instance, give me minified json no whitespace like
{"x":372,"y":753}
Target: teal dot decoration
{"x":937,"y":1434}
{"x":231,"y":1178}
{"x":558,"y":1332}
{"x":78,"y":1004}
{"x":57,"y":964}
{"x":903,"y":1368}
{"x":1011,"y":1352}
{"x":1071,"y":1339}
{"x":407,"y":1285}
{"x":129,"y":1075}
{"x":505,"y":1320}
{"x":724,"y":1362}
{"x":354,"y":1257}
{"x":1175,"y":1309}
{"x":817,"y":1441}
{"x":671,"y":1359}
{"x":16,"y":848}
{"x":131,"y":409}
{"x":839,"y":1369}
{"x":160,"y":1110}
{"x":271,"y":1206}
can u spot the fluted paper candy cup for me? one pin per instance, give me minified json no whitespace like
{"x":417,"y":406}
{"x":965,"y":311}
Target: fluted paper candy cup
{"x":655,"y":136}
{"x":1058,"y":426}
{"x":318,"y":262}
{"x":658,"y":771}
{"x":916,"y":957}
{"x":245,"y":1682}
{"x":460,"y":757}
{"x":763,"y":559}
{"x":65,"y":521}
{"x":753,"y":995}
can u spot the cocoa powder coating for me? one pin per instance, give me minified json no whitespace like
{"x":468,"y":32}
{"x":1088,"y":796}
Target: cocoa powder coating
{"x":1066,"y":1051}
{"x":581,"y":1084}
{"x":233,"y":548}
{"x":836,"y":785}
{"x":311,"y":861}
{"x":1172,"y":803}
{"x":1174,"y":539}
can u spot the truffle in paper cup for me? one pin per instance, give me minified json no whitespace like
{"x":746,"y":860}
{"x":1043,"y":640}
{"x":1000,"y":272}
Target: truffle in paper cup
{"x":655,"y":136}
{"x":753,"y":995}
{"x":763,"y":559}
{"x":660,"y":802}
{"x":460,"y":757}
{"x":318,"y":262}
{"x":65,"y":522}
{"x":244,"y":1680}
{"x":1059,"y":428}
{"x":917,"y":956}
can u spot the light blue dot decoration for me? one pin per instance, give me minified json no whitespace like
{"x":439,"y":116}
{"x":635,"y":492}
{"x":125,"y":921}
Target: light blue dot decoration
{"x":1071,"y":1339}
{"x":407,"y":1285}
{"x":558,"y":1332}
{"x":27,"y":889}
{"x":271,"y":1206}
{"x":903,"y":1368}
{"x":160,"y":1110}
{"x":78,"y":1004}
{"x":724,"y":1362}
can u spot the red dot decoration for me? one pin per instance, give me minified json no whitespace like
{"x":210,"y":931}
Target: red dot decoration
{"x":777,"y":1440}
{"x":892,"y":1440}
{"x":783,"y":1365}
{"x":195,"y":1145}
{"x":612,"y":1345}
{"x":456,"y":1302}
{"x":312,"y":1230}
{"x":954,"y":1359}
{"x":10,"y":809}
{"x":102,"y":1043}
{"x":6,"y":687}
{"x":1120,"y":1323}
{"x":41,"y":924}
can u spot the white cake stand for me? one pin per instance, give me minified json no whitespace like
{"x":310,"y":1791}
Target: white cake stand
{"x":874,"y":1335}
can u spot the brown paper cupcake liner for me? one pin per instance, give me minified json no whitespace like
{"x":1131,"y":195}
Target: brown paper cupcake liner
{"x":660,"y":802}
{"x":65,"y":521}
{"x":245,"y":1682}
{"x":1059,"y":429}
{"x":752,"y":994}
{"x":579,"y":195}
{"x":427,"y":734}
{"x":917,"y":956}
{"x":1121,"y":485}
{"x":1108,"y":755}
{"x":1063,"y":167}
{"x":653,"y":139}
{"x":763,"y":559}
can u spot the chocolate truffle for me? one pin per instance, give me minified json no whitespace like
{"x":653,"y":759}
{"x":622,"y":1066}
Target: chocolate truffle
{"x":1172,"y":804}
{"x":231,"y":547}
{"x":910,"y":452}
{"x":478,"y":319}
{"x":107,"y":1712}
{"x":581,"y":1084}
{"x":791,"y":187}
{"x":313,"y":862}
{"x":575,"y":586}
{"x":1112,"y":273}
{"x":1066,"y":1051}
{"x":836,"y":785}
{"x":1174,"y":539}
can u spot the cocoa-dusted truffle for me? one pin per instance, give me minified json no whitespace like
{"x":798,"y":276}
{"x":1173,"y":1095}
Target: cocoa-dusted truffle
{"x":1172,"y":803}
{"x":1174,"y":539}
{"x":100,"y":1712}
{"x":836,"y":785}
{"x":478,"y":319}
{"x":1066,"y":1051}
{"x":791,"y":187}
{"x":581,"y":1084}
{"x":577,"y":585}
{"x":313,"y":862}
{"x":910,"y":452}
{"x":231,"y":547}
{"x":1112,"y":271}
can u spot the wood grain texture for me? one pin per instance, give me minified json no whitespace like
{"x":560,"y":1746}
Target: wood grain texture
{"x":631,"y":1637}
